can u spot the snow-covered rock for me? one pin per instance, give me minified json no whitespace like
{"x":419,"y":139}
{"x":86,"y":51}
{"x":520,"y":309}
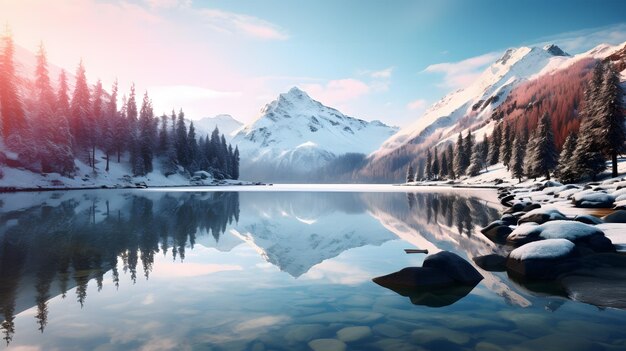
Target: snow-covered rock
{"x":542,"y":215}
{"x":297,"y":134}
{"x":543,"y":260}
{"x":593,"y":199}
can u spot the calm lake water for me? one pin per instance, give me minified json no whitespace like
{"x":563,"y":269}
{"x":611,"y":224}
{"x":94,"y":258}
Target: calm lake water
{"x":193,"y":270}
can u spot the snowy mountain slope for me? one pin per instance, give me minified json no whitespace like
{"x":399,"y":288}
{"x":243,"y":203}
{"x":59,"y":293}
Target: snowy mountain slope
{"x":225,"y":123}
{"x":295,"y":133}
{"x":472,"y":107}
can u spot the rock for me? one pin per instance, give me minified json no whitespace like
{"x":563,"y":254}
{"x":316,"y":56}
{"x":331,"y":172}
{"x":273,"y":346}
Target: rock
{"x":454,"y":266}
{"x":541,"y":260}
{"x":492,"y":225}
{"x":486,"y":346}
{"x":425,"y":336}
{"x":388,"y":330}
{"x":327,"y":345}
{"x":618,"y":216}
{"x":349,"y":334}
{"x":516,"y":207}
{"x":491,"y":263}
{"x":343,"y":317}
{"x":506,"y":201}
{"x":593,"y":199}
{"x":303,"y":332}
{"x":415,"y":277}
{"x":542,"y":215}
{"x":588,"y":219}
{"x":509,"y":219}
{"x":524,"y":233}
{"x":532,"y":206}
{"x":498,"y":234}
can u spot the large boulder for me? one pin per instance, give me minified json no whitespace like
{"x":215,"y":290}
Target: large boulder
{"x":542,"y":215}
{"x":497,"y":231}
{"x":588,"y":219}
{"x":456,"y":267}
{"x":593,"y":199}
{"x":542,"y":260}
{"x":618,"y":216}
{"x":415,"y":277}
{"x":491,"y":263}
{"x":524,"y":233}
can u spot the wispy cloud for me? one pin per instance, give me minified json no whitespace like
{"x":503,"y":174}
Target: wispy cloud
{"x":462,"y":73}
{"x":384,"y":73}
{"x":415,"y":105}
{"x":239,"y":23}
{"x":168,"y":4}
{"x":583,"y":40}
{"x":337,"y":92}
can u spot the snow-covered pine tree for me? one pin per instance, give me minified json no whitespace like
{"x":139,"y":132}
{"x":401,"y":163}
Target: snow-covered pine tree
{"x":506,"y":145}
{"x":450,"y":167}
{"x":517,"y":158}
{"x":435,"y":168}
{"x":496,"y":142}
{"x":64,"y":156}
{"x":44,"y":113}
{"x":468,"y":147}
{"x":163,"y":135}
{"x":133,"y":142}
{"x":564,"y":170}
{"x":544,"y":156}
{"x":182,"y":145}
{"x":419,"y":172}
{"x":531,"y":150}
{"x":429,"y":161}
{"x":147,"y":137}
{"x":459,"y":168}
{"x":484,"y":149}
{"x":93,"y":123}
{"x":410,"y":174}
{"x":610,"y":131}
{"x":443,"y":172}
{"x":236,"y":163}
{"x":108,"y":136}
{"x":588,"y":160}
{"x":192,"y":148}
{"x":80,"y":111}
{"x":11,"y":109}
{"x":476,"y":160}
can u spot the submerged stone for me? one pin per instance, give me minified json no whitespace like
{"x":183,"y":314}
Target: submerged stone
{"x":327,"y":345}
{"x":454,"y":266}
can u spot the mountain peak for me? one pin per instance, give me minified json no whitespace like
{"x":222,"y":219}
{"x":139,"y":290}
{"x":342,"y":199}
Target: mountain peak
{"x":555,"y":50}
{"x":296,"y":93}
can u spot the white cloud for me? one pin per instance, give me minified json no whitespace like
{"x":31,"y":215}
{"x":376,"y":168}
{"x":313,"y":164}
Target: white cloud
{"x":384,"y":73}
{"x":239,"y":23}
{"x":583,"y":40}
{"x":168,"y":4}
{"x":337,"y":92}
{"x":462,"y":73}
{"x":418,"y":104}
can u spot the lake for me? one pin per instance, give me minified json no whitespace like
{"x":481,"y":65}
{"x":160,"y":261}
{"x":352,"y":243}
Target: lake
{"x":263,"y":269}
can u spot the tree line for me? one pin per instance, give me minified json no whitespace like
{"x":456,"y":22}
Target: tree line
{"x":534,"y":154}
{"x":48,"y":129}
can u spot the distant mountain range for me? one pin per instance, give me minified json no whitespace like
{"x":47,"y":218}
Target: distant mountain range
{"x":225,"y":123}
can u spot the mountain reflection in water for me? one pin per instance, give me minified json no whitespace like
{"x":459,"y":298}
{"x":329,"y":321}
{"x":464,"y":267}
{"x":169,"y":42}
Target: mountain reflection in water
{"x":271,"y":247}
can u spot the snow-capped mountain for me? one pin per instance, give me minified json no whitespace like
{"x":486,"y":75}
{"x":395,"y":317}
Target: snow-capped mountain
{"x":225,"y":123}
{"x":472,"y":107}
{"x":295,"y":134}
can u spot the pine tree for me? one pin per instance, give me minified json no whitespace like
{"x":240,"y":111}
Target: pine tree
{"x":192,"y":149}
{"x":451,"y":161}
{"x":443,"y":173}
{"x":133,"y":142}
{"x":496,"y":143}
{"x":429,"y":161}
{"x":419,"y":174}
{"x":163,"y":134}
{"x":564,"y":170}
{"x":588,"y":160}
{"x":147,"y":137}
{"x":459,"y":166}
{"x":11,"y":110}
{"x":506,"y":146}
{"x":94,"y":123}
{"x":80,"y":109}
{"x":476,"y":161}
{"x":435,"y":167}
{"x":64,"y":156}
{"x":468,"y":147}
{"x":544,"y":156}
{"x":236,"y":163}
{"x":110,"y":125}
{"x":410,"y":174}
{"x":530,"y":151}
{"x":484,"y":149}
{"x":44,"y":114}
{"x":610,"y":132}
{"x":517,"y":158}
{"x":182,"y":145}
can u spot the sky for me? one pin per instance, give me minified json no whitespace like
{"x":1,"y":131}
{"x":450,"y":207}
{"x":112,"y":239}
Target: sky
{"x":370,"y":59}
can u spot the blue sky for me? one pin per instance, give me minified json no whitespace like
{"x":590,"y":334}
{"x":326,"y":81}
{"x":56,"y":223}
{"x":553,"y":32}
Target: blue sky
{"x":371,"y":59}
